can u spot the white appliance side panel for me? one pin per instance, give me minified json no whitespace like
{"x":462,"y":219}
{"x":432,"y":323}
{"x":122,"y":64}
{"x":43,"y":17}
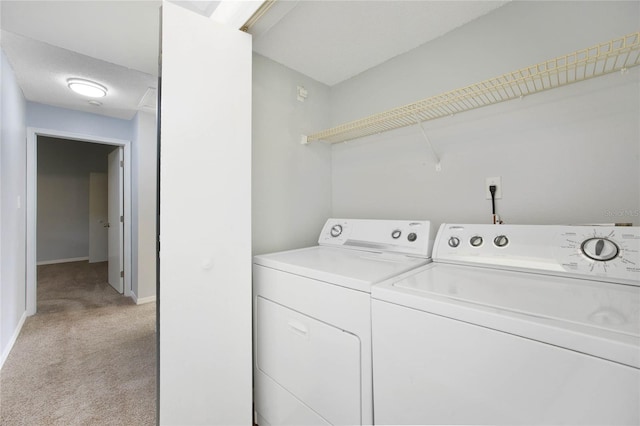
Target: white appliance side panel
{"x":430,"y":369}
{"x":316,"y":362}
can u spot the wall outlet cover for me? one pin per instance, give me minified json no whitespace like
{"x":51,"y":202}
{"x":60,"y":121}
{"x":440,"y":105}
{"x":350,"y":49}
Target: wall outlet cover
{"x":497,"y":181}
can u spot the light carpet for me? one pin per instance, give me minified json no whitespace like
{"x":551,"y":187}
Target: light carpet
{"x":88,"y":357}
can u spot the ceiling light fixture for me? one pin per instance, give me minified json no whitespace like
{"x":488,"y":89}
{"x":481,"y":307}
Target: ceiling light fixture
{"x":87,"y":88}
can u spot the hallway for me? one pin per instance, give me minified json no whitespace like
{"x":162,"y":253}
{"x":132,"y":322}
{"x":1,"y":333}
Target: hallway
{"x":87,"y":357}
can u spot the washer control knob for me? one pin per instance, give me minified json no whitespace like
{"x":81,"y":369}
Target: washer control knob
{"x":600,"y":249}
{"x":396,"y":234}
{"x":501,"y":241}
{"x":454,"y":242}
{"x":412,"y":237}
{"x":336,"y":230}
{"x":476,"y":241}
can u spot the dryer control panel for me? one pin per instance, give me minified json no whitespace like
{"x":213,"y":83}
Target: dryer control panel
{"x":604,"y":253}
{"x":408,"y":237}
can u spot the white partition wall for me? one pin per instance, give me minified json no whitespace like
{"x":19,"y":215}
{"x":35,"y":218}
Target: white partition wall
{"x":205,"y":222}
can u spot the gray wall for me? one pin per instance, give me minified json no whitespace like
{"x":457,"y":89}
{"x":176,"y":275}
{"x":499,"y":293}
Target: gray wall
{"x":78,"y":122}
{"x":13,"y":156}
{"x":144,"y":156}
{"x":138,"y":131}
{"x":291,"y":183}
{"x":570,"y":155}
{"x":63,"y":196}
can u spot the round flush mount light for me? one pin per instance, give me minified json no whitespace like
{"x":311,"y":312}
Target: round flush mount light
{"x":87,"y":87}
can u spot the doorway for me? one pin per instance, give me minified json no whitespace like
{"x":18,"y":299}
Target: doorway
{"x":34,"y":252}
{"x":79,"y":207}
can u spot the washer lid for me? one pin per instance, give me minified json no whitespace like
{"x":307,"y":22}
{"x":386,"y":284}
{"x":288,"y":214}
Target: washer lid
{"x":598,"y":318}
{"x":356,"y":269}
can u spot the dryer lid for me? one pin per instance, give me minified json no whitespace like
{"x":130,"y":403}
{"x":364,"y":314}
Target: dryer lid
{"x":355,"y":269}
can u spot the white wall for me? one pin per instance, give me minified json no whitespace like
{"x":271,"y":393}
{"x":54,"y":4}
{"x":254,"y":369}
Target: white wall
{"x":12,"y":212}
{"x":570,"y":155}
{"x":291,"y":182}
{"x":63,"y":196}
{"x":144,"y":198}
{"x":205,"y":222}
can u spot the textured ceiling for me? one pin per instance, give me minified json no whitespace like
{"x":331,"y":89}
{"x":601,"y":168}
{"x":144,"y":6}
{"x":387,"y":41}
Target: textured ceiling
{"x":114,"y":43}
{"x":42,"y":71}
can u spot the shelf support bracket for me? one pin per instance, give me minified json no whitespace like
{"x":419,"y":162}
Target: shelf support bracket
{"x":433,"y":151}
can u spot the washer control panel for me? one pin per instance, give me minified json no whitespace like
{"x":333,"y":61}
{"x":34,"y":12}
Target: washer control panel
{"x":411,"y":237}
{"x":607,"y":253}
{"x":600,"y":251}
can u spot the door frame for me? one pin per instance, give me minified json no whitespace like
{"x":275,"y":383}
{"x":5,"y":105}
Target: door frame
{"x":31,"y":205}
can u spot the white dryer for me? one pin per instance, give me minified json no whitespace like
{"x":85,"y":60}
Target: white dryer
{"x":312,"y":320}
{"x":512,"y":325}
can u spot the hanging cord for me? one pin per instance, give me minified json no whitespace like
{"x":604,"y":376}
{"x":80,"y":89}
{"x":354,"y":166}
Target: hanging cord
{"x":492,"y":190}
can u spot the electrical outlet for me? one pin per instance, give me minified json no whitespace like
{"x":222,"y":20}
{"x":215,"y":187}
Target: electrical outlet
{"x":497,"y":181}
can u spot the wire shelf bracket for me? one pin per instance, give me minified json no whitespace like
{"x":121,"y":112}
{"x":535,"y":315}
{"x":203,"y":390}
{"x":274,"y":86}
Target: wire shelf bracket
{"x":618,"y":54}
{"x":433,"y":150}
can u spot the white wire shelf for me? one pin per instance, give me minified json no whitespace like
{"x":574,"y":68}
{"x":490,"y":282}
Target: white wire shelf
{"x":615,"y":55}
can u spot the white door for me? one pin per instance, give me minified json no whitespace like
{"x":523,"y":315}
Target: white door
{"x":116,"y":224}
{"x":98,"y":218}
{"x":205,"y":221}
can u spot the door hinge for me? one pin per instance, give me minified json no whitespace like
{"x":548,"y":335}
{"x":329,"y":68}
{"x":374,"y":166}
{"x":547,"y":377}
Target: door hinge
{"x":122,"y":219}
{"x":121,"y":274}
{"x":121,"y":163}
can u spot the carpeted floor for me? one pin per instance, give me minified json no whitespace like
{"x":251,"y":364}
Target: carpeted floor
{"x":88,"y":357}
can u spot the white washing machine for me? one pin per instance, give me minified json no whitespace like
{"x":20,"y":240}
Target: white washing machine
{"x":512,"y":325}
{"x":312,"y":320}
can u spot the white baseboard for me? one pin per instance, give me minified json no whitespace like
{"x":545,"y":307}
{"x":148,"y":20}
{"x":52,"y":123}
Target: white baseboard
{"x":51,"y":262}
{"x":143,"y":300}
{"x":16,"y":333}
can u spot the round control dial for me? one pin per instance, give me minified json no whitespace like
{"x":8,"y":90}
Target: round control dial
{"x":476,"y":241}
{"x":600,"y":249}
{"x":396,"y":234}
{"x":336,"y":230}
{"x":501,"y":241}
{"x":412,"y":237}
{"x":454,"y":242}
